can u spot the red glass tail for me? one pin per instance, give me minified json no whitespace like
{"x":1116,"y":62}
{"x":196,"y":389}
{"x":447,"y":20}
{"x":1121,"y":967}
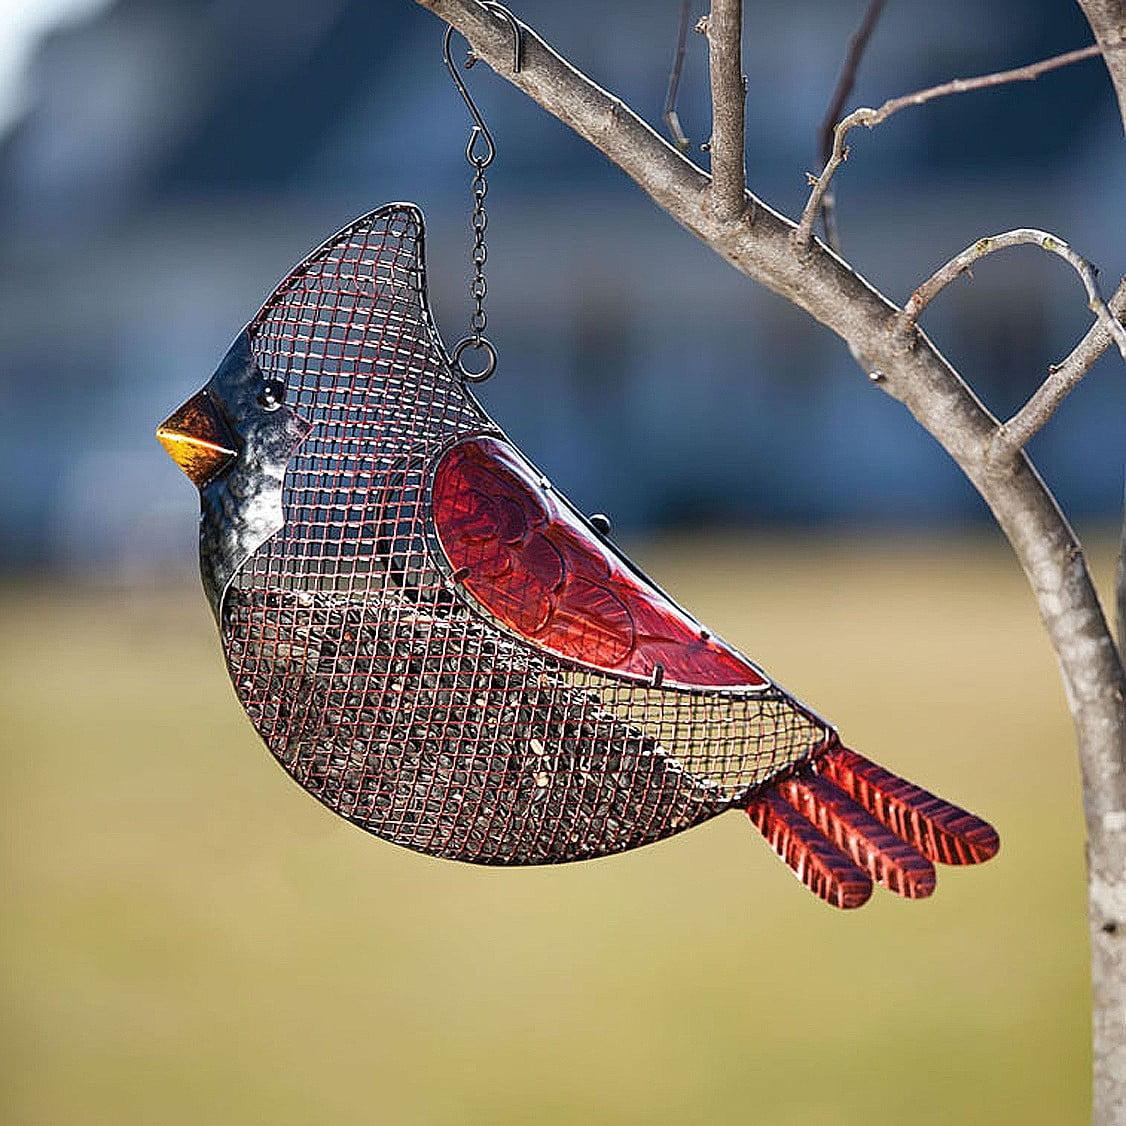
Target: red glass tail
{"x":843,"y":822}
{"x":939,"y":830}
{"x":826,"y":871}
{"x":853,"y":831}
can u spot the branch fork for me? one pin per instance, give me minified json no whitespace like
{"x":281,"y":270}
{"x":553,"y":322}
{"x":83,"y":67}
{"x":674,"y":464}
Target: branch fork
{"x":872,"y":117}
{"x":1012,"y":436}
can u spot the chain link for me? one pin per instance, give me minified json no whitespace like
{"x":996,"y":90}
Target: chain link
{"x":480,"y":152}
{"x":479,"y":287}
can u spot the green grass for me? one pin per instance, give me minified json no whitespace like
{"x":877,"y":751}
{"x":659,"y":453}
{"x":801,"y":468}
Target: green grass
{"x":189,"y":938}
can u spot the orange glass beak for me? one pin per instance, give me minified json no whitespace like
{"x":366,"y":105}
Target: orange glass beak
{"x":197,"y":439}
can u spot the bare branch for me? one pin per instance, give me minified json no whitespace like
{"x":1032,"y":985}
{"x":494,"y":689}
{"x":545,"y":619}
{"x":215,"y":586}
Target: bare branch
{"x":819,"y":185}
{"x":857,"y":45}
{"x":821,"y":283}
{"x":873,"y":117}
{"x":670,"y":116}
{"x":1062,"y":379}
{"x":1022,"y":236}
{"x":1108,"y":948}
{"x":729,"y":95}
{"x":1120,"y":585}
{"x":1108,"y":21}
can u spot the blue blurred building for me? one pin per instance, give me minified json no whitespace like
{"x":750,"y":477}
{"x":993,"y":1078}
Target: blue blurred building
{"x":176,"y":156}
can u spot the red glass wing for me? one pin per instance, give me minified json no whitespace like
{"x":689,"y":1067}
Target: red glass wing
{"x":537,"y":567}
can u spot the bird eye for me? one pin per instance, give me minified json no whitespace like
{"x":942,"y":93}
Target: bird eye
{"x":272,"y":395}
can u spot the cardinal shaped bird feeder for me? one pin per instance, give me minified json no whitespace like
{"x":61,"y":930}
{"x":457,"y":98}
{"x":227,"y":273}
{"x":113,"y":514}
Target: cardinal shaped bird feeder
{"x":438,"y":646}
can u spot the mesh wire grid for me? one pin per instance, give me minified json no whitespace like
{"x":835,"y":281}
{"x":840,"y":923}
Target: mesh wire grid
{"x":377,"y":682}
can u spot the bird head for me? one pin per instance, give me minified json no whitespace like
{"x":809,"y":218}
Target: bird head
{"x":233,"y":439}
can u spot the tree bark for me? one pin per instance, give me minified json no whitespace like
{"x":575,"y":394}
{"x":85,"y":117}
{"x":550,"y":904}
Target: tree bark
{"x":908,"y":367}
{"x":726,"y":147}
{"x":1108,"y":21}
{"x":1107,"y":858}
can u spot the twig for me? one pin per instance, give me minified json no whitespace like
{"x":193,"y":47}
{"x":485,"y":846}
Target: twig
{"x":1022,"y":236}
{"x":857,"y":45}
{"x":671,"y":117}
{"x":1120,"y":588}
{"x":872,"y":117}
{"x":1062,"y":379}
{"x":725,"y":55}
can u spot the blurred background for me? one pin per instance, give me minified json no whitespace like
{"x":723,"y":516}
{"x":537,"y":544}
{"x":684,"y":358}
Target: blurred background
{"x":189,"y":938}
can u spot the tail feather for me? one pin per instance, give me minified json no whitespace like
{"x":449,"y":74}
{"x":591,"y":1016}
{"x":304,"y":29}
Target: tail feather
{"x":842,"y":821}
{"x":936,"y":828}
{"x":823,"y":868}
{"x":871,"y":846}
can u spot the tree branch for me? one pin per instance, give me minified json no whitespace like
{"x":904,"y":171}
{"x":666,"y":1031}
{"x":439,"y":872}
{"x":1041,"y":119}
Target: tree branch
{"x":1108,"y":943}
{"x":1022,"y":236}
{"x":1062,"y":379}
{"x":857,"y":45}
{"x":670,"y":115}
{"x":1120,"y":585}
{"x":729,"y":95}
{"x":1108,"y":21}
{"x":873,"y":117}
{"x":827,"y":288}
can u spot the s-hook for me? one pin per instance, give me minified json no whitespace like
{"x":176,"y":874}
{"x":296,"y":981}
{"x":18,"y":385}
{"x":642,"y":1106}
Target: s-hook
{"x":480,"y":151}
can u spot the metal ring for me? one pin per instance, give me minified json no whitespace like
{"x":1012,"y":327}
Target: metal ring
{"x":477,"y":344}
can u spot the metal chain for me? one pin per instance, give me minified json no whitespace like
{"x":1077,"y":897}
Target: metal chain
{"x":480,"y":152}
{"x":479,"y":287}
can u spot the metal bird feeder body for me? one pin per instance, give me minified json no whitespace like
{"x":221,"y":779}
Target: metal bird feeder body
{"x":438,"y":646}
{"x":418,"y":651}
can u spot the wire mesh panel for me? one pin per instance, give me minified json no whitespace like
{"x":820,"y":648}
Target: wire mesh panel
{"x":386,"y":675}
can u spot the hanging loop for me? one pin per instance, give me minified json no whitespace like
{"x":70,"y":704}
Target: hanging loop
{"x":480,"y":151}
{"x":482,"y":159}
{"x":478,"y":344}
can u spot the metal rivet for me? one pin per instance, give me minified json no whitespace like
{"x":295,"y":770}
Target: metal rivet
{"x":272,"y":395}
